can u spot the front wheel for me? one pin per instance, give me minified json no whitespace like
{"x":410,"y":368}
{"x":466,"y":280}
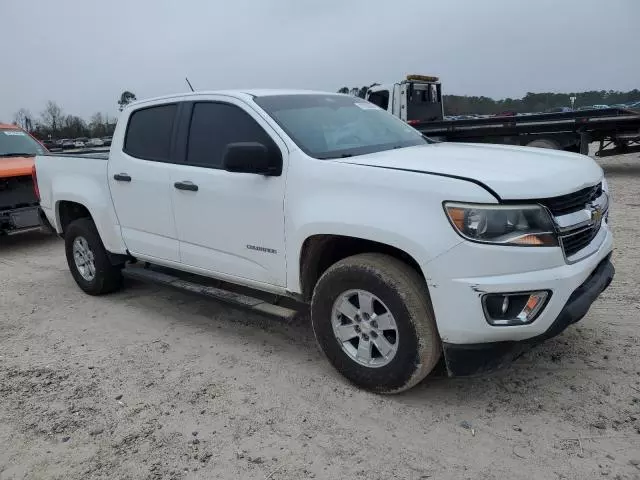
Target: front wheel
{"x":372,"y":317}
{"x":88,"y":260}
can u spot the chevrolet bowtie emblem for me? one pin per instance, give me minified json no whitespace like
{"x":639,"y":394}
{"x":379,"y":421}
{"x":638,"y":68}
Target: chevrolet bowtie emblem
{"x":596,"y":214}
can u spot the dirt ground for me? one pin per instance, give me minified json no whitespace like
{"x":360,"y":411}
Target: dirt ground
{"x":152,"y":383}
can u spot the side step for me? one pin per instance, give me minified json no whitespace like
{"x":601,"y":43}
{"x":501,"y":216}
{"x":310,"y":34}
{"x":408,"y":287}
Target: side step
{"x":255,"y":304}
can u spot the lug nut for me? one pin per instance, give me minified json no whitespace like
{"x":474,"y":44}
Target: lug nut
{"x":374,"y":335}
{"x":365,"y":337}
{"x":357,"y":329}
{"x":374,"y":324}
{"x":356,"y":318}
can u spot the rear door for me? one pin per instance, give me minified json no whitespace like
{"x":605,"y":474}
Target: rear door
{"x":139,"y":179}
{"x":229,"y":223}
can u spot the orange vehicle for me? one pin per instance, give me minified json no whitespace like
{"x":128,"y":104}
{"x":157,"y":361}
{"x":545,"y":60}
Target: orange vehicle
{"x":19,"y":207}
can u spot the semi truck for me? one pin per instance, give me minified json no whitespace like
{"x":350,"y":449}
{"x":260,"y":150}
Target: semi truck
{"x":418,"y":101}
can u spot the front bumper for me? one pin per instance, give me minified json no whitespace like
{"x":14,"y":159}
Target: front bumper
{"x":468,"y":359}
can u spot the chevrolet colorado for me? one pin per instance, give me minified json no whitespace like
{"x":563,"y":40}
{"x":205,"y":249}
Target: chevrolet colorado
{"x":407,"y":250}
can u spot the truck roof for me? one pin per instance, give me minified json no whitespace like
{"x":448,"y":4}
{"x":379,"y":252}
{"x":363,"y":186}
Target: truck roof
{"x":244,"y":93}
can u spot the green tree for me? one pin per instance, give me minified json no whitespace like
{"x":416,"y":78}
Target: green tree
{"x":125,"y":99}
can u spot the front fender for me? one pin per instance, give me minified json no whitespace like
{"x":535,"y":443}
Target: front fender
{"x":397,"y":208}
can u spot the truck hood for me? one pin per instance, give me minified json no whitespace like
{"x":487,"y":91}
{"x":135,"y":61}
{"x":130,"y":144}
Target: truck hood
{"x":15,"y":166}
{"x":513,"y":173}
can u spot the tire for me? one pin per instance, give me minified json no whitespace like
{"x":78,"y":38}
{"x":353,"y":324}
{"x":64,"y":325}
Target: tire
{"x":106,"y":277}
{"x":544,"y":143}
{"x":397,"y":288}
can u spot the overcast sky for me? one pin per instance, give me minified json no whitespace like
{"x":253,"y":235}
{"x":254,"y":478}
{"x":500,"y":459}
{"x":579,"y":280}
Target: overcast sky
{"x":82,"y":55}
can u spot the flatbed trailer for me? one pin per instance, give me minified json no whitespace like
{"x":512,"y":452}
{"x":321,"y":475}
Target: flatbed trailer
{"x":615,"y":130}
{"x":418,"y":101}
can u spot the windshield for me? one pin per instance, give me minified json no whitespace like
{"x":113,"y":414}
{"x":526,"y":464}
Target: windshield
{"x":17,"y":142}
{"x":335,"y":126}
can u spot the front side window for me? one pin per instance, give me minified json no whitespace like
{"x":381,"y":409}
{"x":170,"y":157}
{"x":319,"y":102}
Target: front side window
{"x":16,"y":143}
{"x":335,"y":126}
{"x":216,"y":125}
{"x":149,"y":133}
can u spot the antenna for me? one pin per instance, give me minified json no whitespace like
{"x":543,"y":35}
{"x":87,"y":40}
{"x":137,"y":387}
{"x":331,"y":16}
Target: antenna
{"x":189,"y":83}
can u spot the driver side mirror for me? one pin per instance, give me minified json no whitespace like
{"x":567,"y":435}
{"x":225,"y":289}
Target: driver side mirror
{"x":252,"y":157}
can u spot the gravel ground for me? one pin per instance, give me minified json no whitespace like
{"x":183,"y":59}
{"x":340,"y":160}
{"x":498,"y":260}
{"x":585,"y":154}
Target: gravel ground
{"x":152,"y":383}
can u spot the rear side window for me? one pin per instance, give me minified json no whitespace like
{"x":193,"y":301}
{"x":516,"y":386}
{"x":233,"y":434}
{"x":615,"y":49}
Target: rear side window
{"x":149,"y":133}
{"x":214,"y":126}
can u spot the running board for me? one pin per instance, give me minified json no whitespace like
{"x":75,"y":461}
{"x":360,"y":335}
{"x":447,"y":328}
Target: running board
{"x":255,"y":304}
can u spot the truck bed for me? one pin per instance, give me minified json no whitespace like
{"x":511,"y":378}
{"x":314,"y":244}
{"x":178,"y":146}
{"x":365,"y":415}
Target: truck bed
{"x":75,"y":174}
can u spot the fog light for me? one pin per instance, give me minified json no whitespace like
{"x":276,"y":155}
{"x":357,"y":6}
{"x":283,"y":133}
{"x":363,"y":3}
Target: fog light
{"x":514,"y":308}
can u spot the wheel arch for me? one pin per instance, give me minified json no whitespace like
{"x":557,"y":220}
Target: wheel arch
{"x":318,"y":252}
{"x":67,"y":211}
{"x":69,"y":206}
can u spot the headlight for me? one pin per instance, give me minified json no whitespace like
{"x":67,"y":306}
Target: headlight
{"x":528,"y":225}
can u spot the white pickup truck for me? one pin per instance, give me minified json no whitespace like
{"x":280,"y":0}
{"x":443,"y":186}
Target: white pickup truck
{"x":407,"y":250}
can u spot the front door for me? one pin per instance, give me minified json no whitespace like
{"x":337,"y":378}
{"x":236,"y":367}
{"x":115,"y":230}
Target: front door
{"x":139,"y":178}
{"x":227,"y":222}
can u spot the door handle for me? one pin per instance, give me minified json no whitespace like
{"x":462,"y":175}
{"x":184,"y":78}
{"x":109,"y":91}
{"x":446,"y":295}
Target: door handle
{"x":186,"y":185}
{"x":122,"y":177}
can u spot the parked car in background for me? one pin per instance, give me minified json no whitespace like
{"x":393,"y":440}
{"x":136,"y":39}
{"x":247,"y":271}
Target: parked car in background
{"x":95,"y":142}
{"x":558,"y":110}
{"x":19,"y":209}
{"x":80,"y":142}
{"x":67,"y":143}
{"x":50,"y":144}
{"x":106,"y":141}
{"x":600,"y":107}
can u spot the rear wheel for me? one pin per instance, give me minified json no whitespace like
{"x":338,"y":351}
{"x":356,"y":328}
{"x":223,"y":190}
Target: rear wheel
{"x":372,"y":317}
{"x":88,"y":260}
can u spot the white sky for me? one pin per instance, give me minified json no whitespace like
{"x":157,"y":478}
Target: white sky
{"x":82,"y":54}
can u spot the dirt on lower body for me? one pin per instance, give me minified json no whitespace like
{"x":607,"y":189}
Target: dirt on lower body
{"x":152,"y":383}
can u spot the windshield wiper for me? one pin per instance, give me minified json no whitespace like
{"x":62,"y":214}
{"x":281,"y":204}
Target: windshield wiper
{"x":17,"y":154}
{"x":333,"y":157}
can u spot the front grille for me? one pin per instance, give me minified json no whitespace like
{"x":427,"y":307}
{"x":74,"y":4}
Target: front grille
{"x":572,"y":243}
{"x":572,"y":202}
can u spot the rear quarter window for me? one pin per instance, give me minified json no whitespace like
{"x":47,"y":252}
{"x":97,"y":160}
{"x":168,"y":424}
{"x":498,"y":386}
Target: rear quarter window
{"x":149,"y":133}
